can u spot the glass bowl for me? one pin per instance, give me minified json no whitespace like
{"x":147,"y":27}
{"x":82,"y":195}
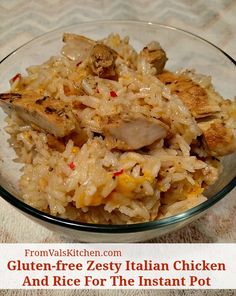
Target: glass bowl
{"x":184,"y":50}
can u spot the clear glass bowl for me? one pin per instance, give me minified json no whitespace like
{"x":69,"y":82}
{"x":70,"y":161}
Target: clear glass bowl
{"x":184,"y":50}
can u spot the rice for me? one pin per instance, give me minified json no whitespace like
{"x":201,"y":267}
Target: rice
{"x":97,"y":183}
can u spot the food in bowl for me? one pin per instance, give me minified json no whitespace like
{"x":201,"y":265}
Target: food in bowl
{"x":108,"y":135}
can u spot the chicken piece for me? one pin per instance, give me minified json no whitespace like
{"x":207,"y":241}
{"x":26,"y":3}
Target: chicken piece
{"x":204,"y":104}
{"x":55,"y":143}
{"x":101,"y":58}
{"x":155,"y":55}
{"x":102,"y":61}
{"x":194,"y":96}
{"x":49,"y":114}
{"x":219,"y":139}
{"x":79,"y":137}
{"x":136,"y":132}
{"x":77,"y":47}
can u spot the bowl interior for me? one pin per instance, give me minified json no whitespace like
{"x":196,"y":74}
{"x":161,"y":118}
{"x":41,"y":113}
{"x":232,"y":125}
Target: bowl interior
{"x":184,"y":50}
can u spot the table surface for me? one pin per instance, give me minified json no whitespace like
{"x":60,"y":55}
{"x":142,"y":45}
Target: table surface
{"x":22,"y":20}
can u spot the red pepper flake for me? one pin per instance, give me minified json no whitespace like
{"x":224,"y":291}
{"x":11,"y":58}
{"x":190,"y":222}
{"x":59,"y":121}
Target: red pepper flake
{"x":97,"y":90}
{"x":113,"y":94}
{"x":18,"y":75}
{"x":118,"y":173}
{"x":79,"y":63}
{"x":72,"y":166}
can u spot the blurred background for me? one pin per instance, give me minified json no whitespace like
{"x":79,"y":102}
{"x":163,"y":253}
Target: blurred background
{"x":21,"y":20}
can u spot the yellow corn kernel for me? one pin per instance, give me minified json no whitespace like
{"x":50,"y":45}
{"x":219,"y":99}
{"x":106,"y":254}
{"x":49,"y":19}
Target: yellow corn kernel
{"x":195,"y":190}
{"x":41,"y":90}
{"x":126,"y":183}
{"x":94,"y":200}
{"x":147,"y":176}
{"x":26,"y":135}
{"x":42,"y":184}
{"x":79,"y":202}
{"x":75,"y":149}
{"x":161,"y":188}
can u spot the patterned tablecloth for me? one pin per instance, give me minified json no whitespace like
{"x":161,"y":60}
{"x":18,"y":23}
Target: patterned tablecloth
{"x":21,"y":20}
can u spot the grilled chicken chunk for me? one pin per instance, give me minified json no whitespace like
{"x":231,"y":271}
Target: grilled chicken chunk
{"x":55,"y":143}
{"x":77,"y":47}
{"x":204,"y":104}
{"x":218,"y":139}
{"x":155,"y":55}
{"x":136,"y":132}
{"x":102,"y":60}
{"x":79,"y":137}
{"x":194,"y":96}
{"x":47,"y":113}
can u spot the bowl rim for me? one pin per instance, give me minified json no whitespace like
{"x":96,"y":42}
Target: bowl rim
{"x":119,"y":228}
